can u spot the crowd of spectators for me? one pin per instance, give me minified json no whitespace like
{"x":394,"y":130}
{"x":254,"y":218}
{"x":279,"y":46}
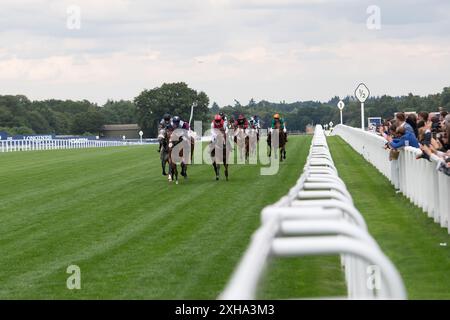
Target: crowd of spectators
{"x":429,"y":132}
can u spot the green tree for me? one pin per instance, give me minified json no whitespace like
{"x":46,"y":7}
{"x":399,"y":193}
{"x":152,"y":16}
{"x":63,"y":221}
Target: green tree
{"x":38,"y":122}
{"x":88,"y":122}
{"x":172,"y":98}
{"x":215,"y":108}
{"x":119,"y":112}
{"x":445,"y":98}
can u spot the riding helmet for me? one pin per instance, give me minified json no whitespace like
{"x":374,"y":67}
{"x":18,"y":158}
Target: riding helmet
{"x":176,"y":119}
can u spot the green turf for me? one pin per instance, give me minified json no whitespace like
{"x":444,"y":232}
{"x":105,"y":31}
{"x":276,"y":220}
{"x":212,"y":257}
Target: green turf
{"x":404,"y":232}
{"x":133,"y":235}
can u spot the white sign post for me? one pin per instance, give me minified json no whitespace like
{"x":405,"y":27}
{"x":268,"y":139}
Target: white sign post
{"x":362,"y":93}
{"x":192,"y":113}
{"x":141,"y":133}
{"x":341,"y":106}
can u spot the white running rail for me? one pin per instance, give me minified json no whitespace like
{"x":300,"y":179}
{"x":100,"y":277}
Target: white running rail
{"x":59,"y":144}
{"x":318,"y":217}
{"x":418,"y":180}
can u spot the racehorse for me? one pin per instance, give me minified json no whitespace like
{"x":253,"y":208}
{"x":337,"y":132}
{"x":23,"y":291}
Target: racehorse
{"x":223,"y":147}
{"x":164,"y":153}
{"x":281,"y":143}
{"x":241,"y":139}
{"x":175,"y":138}
{"x":253,"y":137}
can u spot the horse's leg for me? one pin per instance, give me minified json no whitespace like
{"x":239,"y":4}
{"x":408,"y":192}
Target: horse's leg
{"x":247,"y":148}
{"x":163,"y":165}
{"x":169,"y":161}
{"x":216,"y":170}
{"x":225,"y":162}
{"x":184,"y":170}
{"x":175,"y":172}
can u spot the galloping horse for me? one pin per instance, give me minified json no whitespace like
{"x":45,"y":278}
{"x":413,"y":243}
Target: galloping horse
{"x":281,"y":143}
{"x":253,"y":137}
{"x":163,"y":136}
{"x":175,"y":138}
{"x":241,"y":139}
{"x":223,"y":147}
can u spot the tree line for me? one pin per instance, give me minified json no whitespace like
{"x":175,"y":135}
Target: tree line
{"x":19,"y":115}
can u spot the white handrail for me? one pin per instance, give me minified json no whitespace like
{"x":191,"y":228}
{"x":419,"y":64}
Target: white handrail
{"x":318,"y":204}
{"x":418,"y":180}
{"x":59,"y":144}
{"x":293,"y":246}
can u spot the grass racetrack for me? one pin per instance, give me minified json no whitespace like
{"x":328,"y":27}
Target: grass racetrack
{"x":404,"y":232}
{"x":112,"y":213}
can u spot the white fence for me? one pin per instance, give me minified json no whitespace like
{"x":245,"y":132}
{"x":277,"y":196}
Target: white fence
{"x":418,"y":180}
{"x":57,"y":144}
{"x":317,"y":217}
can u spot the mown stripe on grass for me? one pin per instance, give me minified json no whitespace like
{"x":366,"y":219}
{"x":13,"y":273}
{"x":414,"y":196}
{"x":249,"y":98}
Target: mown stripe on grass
{"x":134,"y":236}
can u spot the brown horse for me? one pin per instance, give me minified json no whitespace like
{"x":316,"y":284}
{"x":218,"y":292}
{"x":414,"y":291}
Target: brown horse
{"x":175,"y":138}
{"x":281,"y":143}
{"x":253,"y":135}
{"x":241,"y":139}
{"x":163,"y":137}
{"x":224,"y":148}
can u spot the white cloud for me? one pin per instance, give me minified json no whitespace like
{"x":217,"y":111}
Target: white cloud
{"x":266,"y":49}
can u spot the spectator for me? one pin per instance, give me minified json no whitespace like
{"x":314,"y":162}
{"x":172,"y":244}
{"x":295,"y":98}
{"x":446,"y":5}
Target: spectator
{"x":440,"y":138}
{"x":422,"y":116}
{"x":412,"y":121}
{"x":425,"y":136}
{"x":393,"y":158}
{"x":406,"y":139}
{"x":442,"y":116}
{"x":400,"y":121}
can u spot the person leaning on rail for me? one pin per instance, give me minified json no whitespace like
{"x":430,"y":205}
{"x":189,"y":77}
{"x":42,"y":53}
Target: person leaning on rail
{"x":400,"y":121}
{"x":390,"y":132}
{"x":406,"y":139}
{"x":439,"y":146}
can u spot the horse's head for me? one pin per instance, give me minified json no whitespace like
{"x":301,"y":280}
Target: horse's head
{"x":277,"y":124}
{"x":162,"y":134}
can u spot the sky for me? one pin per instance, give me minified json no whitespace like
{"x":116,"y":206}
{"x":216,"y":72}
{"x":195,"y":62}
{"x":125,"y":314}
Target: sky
{"x":276,"y":50}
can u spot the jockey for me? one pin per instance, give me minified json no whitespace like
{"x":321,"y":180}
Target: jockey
{"x":218,"y":125}
{"x":254,"y":123}
{"x":224,"y":118}
{"x":177,"y":123}
{"x":242,"y":122}
{"x":230,"y":124}
{"x":257,"y":122}
{"x":164,"y":124}
{"x":277,"y":119}
{"x":223,"y":121}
